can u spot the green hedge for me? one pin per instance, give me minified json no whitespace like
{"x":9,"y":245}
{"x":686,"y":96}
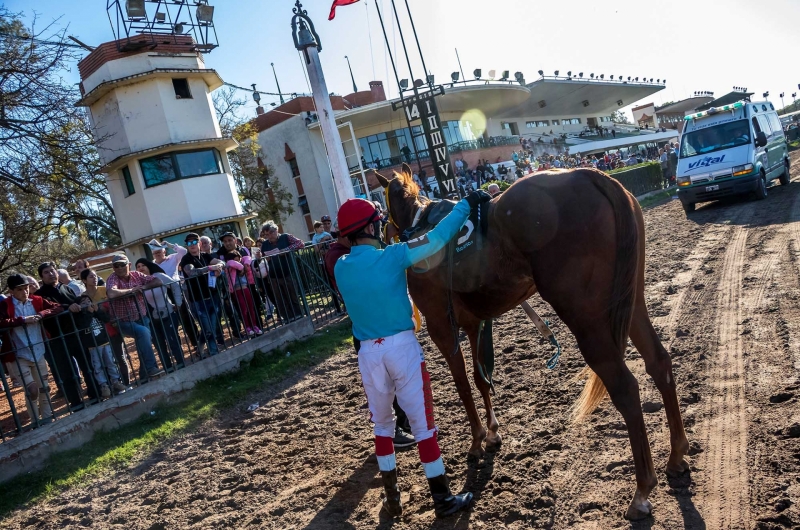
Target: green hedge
{"x":640,"y":179}
{"x":503,"y":184}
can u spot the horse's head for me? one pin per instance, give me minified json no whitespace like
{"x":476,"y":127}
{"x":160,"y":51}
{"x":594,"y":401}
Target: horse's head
{"x":402,"y":197}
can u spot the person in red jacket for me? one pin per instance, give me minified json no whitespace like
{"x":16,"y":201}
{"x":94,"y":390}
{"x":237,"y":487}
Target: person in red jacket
{"x":24,"y":337}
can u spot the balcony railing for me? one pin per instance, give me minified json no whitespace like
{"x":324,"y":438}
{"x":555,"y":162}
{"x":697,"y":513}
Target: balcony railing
{"x":469,"y":145}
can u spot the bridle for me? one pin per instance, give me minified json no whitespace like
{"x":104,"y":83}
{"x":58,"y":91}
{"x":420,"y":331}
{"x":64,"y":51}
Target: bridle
{"x":406,"y":234}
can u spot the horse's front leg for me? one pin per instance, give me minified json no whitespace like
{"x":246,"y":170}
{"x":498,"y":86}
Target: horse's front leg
{"x":493,"y":438}
{"x":442,"y":335}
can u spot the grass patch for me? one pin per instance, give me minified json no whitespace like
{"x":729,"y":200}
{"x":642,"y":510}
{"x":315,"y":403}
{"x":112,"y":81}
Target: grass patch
{"x":116,"y":449}
{"x":656,"y":199}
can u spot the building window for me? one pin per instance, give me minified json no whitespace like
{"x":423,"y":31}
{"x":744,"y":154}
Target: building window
{"x":181,"y":87}
{"x":534,"y":124}
{"x":302,"y":202}
{"x":571,"y":121}
{"x":556,"y":122}
{"x":176,"y":165}
{"x":294,"y":168}
{"x":127,"y":182}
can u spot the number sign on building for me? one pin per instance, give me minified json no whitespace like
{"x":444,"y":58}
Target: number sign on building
{"x":423,"y":108}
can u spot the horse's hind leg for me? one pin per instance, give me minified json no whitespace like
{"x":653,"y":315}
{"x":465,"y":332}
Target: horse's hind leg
{"x":659,"y":366}
{"x":607,"y":362}
{"x":442,"y":335}
{"x":493,"y":438}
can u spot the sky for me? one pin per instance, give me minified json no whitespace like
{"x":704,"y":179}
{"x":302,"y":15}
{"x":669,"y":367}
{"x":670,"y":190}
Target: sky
{"x":694,"y":44}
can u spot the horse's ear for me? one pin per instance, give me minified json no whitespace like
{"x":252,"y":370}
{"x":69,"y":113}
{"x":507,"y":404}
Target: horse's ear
{"x":383,"y":181}
{"x":406,"y":171}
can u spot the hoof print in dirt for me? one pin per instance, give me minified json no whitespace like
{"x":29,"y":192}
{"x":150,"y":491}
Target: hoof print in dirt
{"x":649,"y":407}
{"x":509,"y":349}
{"x":590,"y":510}
{"x":792,"y":431}
{"x":682,"y":333}
{"x":781,"y":397}
{"x":699,"y":286}
{"x":690,"y":398}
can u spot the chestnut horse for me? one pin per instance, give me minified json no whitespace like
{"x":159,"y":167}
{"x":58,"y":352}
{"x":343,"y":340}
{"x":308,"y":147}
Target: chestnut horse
{"x":577,"y":238}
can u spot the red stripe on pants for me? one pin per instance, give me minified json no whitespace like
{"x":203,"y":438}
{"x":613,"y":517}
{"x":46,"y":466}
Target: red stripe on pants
{"x":428,"y":393}
{"x":383,"y":446}
{"x":429,"y":450}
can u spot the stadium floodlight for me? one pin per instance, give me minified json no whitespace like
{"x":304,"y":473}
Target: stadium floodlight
{"x":135,"y":9}
{"x":658,"y":81}
{"x":619,"y":102}
{"x":569,"y":73}
{"x":205,"y":13}
{"x":430,"y":79}
{"x":477,"y":73}
{"x":556,"y":72}
{"x":636,"y":79}
{"x":404,"y":84}
{"x":492,"y":74}
{"x":256,"y":95}
{"x":520,"y":78}
{"x":766,"y":94}
{"x":602,"y":76}
{"x":161,"y":17}
{"x":541,"y":72}
{"x":591,"y":75}
{"x":781,"y":94}
{"x":506,"y":74}
{"x":454,"y":76}
{"x":418,"y":83}
{"x":179,"y":29}
{"x":611,"y":77}
{"x":580,"y":74}
{"x":665,"y":81}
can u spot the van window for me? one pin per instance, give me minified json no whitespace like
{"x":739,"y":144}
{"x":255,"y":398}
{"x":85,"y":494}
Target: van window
{"x":716,"y":138}
{"x":764,"y":123}
{"x":775,"y":123}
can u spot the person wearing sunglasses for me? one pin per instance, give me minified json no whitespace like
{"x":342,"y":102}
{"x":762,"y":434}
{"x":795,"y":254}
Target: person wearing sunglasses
{"x":201,"y":270}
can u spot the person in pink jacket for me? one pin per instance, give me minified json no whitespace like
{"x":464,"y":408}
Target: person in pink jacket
{"x":240,"y":276}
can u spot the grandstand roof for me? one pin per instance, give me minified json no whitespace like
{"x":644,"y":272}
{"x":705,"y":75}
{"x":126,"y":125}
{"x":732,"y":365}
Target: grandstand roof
{"x":683,"y":106}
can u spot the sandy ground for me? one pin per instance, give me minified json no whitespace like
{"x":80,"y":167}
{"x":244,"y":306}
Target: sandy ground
{"x":723,"y":289}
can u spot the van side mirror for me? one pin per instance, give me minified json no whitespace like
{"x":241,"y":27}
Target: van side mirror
{"x":761,"y":139}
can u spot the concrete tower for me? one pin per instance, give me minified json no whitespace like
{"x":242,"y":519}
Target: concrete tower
{"x":160,"y":142}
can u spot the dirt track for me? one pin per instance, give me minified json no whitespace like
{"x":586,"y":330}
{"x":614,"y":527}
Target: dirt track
{"x":723,"y":289}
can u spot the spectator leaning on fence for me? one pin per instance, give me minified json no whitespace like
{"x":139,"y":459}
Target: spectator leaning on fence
{"x":164,"y":312}
{"x":124,"y":288}
{"x":21,"y":314}
{"x":280,"y":269}
{"x":65,"y":342}
{"x":171,"y":264}
{"x":240,"y":274}
{"x":199,"y":269}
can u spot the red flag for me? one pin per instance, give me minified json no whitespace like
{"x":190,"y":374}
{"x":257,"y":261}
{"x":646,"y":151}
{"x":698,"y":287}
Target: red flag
{"x":337,"y":3}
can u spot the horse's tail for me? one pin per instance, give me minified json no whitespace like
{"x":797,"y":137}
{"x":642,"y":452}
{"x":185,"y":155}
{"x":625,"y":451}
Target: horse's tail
{"x":623,"y":289}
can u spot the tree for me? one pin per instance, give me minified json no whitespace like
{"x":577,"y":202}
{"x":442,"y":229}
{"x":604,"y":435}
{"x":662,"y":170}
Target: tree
{"x":259,"y":190}
{"x":619,"y":117}
{"x":51,"y":188}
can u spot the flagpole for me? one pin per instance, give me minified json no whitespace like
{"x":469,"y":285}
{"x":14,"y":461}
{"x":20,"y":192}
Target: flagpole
{"x":419,"y":48}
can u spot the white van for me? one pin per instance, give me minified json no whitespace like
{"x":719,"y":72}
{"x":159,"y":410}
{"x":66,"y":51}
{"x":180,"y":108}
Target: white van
{"x":731,"y":150}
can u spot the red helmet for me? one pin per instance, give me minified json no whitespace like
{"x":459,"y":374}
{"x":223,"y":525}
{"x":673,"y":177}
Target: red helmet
{"x":355,"y":215}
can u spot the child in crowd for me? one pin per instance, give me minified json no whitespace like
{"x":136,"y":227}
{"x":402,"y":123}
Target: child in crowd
{"x":320,"y":235}
{"x":240,"y":275}
{"x":21,"y":315}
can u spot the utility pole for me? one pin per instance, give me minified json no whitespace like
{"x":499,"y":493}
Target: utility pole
{"x":280,"y":94}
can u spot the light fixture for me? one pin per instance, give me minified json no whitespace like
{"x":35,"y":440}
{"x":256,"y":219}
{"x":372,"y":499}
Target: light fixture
{"x":651,"y":79}
{"x":404,"y":84}
{"x":580,"y":74}
{"x":658,"y":81}
{"x":542,"y":104}
{"x":766,"y":94}
{"x":629,"y":78}
{"x":161,"y":17}
{"x":541,"y":72}
{"x":178,"y":29}
{"x":619,"y":102}
{"x":556,"y":73}
{"x":205,"y":13}
{"x":520,"y":78}
{"x":781,"y":94}
{"x":430,"y":79}
{"x":477,"y":73}
{"x":492,"y":74}
{"x":454,"y":76}
{"x":506,"y":74}
{"x":273,"y":104}
{"x":256,"y":95}
{"x":602,"y":76}
{"x":591,"y":75}
{"x":665,"y":81}
{"x":418,"y":83}
{"x":585,"y":102}
{"x":135,"y":9}
{"x":611,"y":77}
{"x":637,"y":79}
{"x":569,"y":73}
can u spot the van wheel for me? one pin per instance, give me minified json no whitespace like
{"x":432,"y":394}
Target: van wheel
{"x":761,"y":190}
{"x":785,"y":179}
{"x":688,"y":207}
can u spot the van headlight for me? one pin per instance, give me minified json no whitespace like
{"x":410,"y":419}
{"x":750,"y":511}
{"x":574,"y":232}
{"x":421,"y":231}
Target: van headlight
{"x":746,"y":169}
{"x":684,"y":181}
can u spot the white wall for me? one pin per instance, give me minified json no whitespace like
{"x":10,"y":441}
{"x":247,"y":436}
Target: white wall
{"x":140,"y":63}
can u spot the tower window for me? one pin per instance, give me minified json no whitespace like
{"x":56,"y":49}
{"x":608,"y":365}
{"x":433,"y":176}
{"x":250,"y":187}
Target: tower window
{"x":127,"y":182}
{"x":181,"y":87}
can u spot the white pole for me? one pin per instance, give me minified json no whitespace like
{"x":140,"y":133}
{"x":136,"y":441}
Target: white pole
{"x":327,"y":122}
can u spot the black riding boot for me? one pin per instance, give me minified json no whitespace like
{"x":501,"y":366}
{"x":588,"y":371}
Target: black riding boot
{"x":392,"y":502}
{"x":444,"y":502}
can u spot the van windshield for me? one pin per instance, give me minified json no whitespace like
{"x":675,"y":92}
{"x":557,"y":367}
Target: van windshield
{"x":716,"y":138}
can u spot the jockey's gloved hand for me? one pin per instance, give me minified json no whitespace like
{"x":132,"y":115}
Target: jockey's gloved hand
{"x":476,"y":198}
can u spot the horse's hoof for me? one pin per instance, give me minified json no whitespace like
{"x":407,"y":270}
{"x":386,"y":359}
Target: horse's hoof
{"x":637,"y":511}
{"x":493,"y":443}
{"x":676,"y":470}
{"x":473,"y":457}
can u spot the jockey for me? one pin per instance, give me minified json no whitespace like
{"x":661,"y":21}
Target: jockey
{"x":390,"y":359}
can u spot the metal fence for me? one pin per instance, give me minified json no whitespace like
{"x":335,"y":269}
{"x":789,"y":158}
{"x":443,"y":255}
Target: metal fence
{"x":89,"y":353}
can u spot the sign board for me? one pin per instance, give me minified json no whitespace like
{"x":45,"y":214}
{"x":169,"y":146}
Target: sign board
{"x":422,"y":107}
